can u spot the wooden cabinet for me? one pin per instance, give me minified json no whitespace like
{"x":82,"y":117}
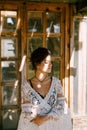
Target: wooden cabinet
{"x":24,"y":27}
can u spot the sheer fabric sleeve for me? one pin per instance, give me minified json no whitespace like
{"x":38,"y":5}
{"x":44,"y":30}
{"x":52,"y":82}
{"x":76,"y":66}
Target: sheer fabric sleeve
{"x":25,"y":104}
{"x":58,"y":108}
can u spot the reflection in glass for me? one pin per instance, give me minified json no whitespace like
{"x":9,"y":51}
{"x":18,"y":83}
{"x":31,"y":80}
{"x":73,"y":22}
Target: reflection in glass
{"x":54,"y":45}
{"x":56,"y":69}
{"x":35,"y":22}
{"x":8,"y":21}
{"x":9,"y":95}
{"x":53,"y":22}
{"x":10,"y":119}
{"x":8,"y":47}
{"x":34,"y":43}
{"x":8,"y":70}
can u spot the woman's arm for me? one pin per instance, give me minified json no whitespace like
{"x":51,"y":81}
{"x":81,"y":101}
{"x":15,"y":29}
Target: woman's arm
{"x":41,"y":119}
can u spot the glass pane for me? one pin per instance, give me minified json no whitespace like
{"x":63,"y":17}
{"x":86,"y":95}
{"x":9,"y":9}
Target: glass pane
{"x":9,"y":95}
{"x":8,"y":47}
{"x":9,"y":71}
{"x":53,"y":22}
{"x":34,"y":43}
{"x":31,"y":72}
{"x":76,"y":34}
{"x":35,"y":22}
{"x":54,"y":45}
{"x":56,"y":69}
{"x":8,"y":21}
{"x":9,"y":119}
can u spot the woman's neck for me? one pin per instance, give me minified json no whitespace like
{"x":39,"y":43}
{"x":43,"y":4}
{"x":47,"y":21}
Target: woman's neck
{"x":40,"y":75}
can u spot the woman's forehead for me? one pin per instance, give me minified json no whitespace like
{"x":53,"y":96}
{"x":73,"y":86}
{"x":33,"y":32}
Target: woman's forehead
{"x":48,"y":58}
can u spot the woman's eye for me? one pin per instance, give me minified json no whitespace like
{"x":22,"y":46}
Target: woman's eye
{"x":47,"y":62}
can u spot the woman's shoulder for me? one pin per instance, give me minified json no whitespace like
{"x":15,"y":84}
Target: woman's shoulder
{"x":25,"y":83}
{"x":56,"y":79}
{"x":57,"y":84}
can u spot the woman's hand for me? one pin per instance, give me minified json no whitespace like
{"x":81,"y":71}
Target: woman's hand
{"x":41,"y":119}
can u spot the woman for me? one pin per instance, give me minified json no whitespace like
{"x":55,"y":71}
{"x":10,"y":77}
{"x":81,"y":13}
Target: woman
{"x":43,"y":102}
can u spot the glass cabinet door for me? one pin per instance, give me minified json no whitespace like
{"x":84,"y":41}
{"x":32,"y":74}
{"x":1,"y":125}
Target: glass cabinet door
{"x":23,"y":28}
{"x":44,"y":30}
{"x":9,"y":80}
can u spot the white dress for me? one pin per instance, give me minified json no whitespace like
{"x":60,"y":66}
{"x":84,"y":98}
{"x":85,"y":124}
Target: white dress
{"x":51,"y":105}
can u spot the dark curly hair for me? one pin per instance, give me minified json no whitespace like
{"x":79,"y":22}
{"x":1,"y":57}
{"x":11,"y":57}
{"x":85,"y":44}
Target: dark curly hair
{"x":38,"y":55}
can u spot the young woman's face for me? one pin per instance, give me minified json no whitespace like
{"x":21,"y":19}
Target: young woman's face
{"x":46,"y":65}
